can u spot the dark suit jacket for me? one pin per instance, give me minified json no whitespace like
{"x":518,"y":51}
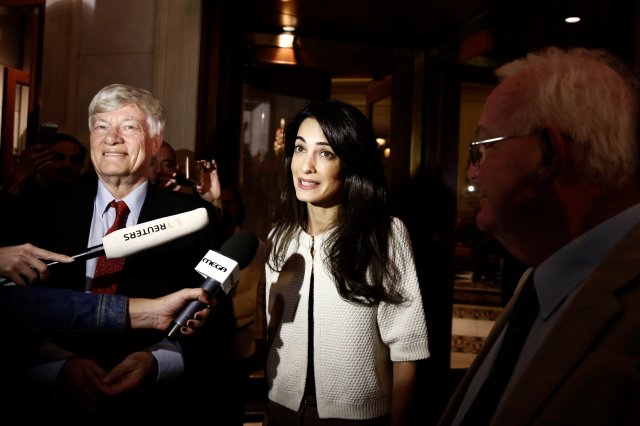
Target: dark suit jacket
{"x":587,"y":372}
{"x":61,"y":222}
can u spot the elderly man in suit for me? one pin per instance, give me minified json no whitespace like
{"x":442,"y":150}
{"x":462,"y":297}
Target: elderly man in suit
{"x":109,"y":375}
{"x":556,"y":164}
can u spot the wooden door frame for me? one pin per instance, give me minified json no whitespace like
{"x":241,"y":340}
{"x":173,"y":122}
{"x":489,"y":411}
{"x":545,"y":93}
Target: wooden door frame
{"x":12,"y":78}
{"x":31,"y":77}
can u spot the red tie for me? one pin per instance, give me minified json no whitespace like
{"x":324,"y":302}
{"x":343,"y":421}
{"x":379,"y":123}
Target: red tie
{"x":104,"y":279}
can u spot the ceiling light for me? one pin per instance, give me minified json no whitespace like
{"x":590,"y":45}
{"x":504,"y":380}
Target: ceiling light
{"x":572,"y":19}
{"x":288,"y":28}
{"x":285,"y":40}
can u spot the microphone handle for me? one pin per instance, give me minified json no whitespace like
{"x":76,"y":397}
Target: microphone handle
{"x":92,"y":252}
{"x":212,"y":287}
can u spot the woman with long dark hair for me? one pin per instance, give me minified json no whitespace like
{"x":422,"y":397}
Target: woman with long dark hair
{"x":345,"y":318}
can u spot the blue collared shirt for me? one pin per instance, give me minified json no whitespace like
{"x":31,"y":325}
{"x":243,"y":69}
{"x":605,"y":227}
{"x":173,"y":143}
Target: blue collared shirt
{"x":103,"y":217}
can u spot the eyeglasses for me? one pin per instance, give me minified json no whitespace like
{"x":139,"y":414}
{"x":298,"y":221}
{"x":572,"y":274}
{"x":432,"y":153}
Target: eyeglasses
{"x":476,"y":148}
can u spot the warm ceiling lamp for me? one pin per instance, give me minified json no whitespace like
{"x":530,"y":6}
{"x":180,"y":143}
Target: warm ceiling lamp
{"x":572,"y":19}
{"x":285,"y":40}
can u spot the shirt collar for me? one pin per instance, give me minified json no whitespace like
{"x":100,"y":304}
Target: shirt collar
{"x":134,"y":200}
{"x":557,"y":276}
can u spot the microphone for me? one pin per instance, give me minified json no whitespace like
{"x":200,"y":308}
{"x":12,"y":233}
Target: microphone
{"x":221,"y":271}
{"x":146,"y":235}
{"x":143,"y":236}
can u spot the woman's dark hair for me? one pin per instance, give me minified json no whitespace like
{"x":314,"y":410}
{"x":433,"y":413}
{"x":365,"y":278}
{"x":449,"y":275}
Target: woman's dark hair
{"x":357,"y":251}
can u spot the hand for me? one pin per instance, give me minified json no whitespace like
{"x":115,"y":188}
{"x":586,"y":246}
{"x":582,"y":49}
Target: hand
{"x":209,"y":187}
{"x":159,"y":313}
{"x":177,"y":180}
{"x":80,"y":383}
{"x":131,"y":373}
{"x":168,"y":182}
{"x":23,"y":264}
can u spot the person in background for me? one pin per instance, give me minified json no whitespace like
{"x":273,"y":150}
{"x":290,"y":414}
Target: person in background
{"x":246,"y":307}
{"x":147,"y":369}
{"x":51,"y":164}
{"x":165,"y":173}
{"x":230,"y":213}
{"x":163,"y":165}
{"x":556,"y":165}
{"x":44,"y":308}
{"x":345,"y":316}
{"x":56,"y":162}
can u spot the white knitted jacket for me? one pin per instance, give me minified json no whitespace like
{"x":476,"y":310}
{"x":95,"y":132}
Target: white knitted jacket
{"x":354,"y":345}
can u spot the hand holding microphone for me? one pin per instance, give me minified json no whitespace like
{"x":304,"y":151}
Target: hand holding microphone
{"x":143,"y":236}
{"x":221,"y":271}
{"x":24,"y":264}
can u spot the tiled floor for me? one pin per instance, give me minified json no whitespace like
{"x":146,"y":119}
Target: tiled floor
{"x":471,"y":325}
{"x":477,"y":304}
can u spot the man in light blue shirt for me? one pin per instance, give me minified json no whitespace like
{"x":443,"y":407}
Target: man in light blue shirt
{"x":556,"y":166}
{"x":148,"y":369}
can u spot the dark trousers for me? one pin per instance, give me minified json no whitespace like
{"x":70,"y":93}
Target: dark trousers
{"x":307,"y":415}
